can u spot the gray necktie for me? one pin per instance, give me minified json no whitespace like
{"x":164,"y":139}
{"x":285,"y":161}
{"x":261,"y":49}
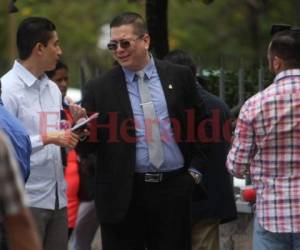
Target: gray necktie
{"x":155,"y":148}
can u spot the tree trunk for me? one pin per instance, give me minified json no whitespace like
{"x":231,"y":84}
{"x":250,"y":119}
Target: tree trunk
{"x":157,"y":22}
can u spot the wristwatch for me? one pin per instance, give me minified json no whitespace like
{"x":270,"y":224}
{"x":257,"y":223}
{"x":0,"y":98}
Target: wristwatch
{"x":197,"y":176}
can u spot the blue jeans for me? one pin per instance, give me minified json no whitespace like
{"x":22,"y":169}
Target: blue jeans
{"x":265,"y":240}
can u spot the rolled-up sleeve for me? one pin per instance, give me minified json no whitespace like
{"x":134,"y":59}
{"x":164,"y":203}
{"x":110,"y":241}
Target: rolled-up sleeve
{"x":243,"y":145}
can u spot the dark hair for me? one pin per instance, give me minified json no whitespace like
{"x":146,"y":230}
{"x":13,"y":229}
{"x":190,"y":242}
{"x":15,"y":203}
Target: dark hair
{"x":31,"y":31}
{"x":131,"y":18}
{"x":183,"y":58}
{"x":281,"y":27}
{"x":59,"y":65}
{"x":286,"y":45}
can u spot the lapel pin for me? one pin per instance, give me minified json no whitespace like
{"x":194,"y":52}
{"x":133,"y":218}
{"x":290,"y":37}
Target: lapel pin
{"x":170,"y":86}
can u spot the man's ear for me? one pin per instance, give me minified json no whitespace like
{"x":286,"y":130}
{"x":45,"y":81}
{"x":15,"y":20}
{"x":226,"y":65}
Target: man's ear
{"x":146,"y":39}
{"x":38,"y":48}
{"x":278,"y":64}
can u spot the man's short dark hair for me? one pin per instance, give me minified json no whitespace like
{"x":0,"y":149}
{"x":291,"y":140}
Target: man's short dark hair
{"x":286,"y":45}
{"x":59,"y":65}
{"x":130,"y":18}
{"x":31,"y":31}
{"x":281,"y":27}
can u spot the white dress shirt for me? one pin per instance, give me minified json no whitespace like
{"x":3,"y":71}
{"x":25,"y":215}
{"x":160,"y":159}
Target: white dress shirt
{"x":37,"y":104}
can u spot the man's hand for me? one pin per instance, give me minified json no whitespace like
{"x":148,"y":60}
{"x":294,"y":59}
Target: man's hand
{"x":196,"y":176}
{"x":76,"y":110}
{"x":63,"y":138}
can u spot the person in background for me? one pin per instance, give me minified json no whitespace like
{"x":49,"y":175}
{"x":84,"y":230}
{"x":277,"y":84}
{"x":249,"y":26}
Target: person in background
{"x":146,"y":169}
{"x":69,"y":158}
{"x":60,"y":76}
{"x":17,"y":219}
{"x":86,"y":222}
{"x":28,"y":94}
{"x":266,"y":146}
{"x":219,"y":205}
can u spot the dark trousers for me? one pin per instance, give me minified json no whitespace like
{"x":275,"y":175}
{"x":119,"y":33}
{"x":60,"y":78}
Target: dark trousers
{"x":52,"y":226}
{"x":3,"y":238}
{"x":158,"y":217}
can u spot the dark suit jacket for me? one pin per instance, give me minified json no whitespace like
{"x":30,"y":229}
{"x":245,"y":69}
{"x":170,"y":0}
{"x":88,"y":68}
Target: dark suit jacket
{"x":115,"y":148}
{"x":220,"y":203}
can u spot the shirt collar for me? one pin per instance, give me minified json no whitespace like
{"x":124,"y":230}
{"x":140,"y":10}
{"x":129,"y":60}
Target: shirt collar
{"x":26,"y":76}
{"x":286,"y":73}
{"x":148,"y":70}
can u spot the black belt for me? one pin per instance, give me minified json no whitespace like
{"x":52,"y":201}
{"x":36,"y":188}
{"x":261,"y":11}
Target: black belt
{"x":156,"y":177}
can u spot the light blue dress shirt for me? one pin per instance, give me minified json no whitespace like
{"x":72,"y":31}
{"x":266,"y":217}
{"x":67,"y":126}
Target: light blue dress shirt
{"x":18,"y":138}
{"x":173,"y":158}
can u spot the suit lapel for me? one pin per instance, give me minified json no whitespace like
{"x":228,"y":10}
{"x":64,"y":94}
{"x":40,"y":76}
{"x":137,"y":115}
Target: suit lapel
{"x":122,"y":92}
{"x":165,"y":82}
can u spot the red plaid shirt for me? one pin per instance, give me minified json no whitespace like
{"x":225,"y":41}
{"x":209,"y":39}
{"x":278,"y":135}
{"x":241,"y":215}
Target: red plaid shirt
{"x":267,"y":143}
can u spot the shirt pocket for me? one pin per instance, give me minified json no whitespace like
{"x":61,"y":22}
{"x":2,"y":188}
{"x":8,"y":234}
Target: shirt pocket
{"x":28,"y":114}
{"x":50,"y":117}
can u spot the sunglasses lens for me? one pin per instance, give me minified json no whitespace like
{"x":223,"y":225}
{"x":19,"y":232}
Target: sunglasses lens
{"x":124,"y":44}
{"x":112,"y":46}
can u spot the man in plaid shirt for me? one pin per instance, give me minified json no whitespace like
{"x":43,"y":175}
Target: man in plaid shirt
{"x":267,"y":145}
{"x":21,"y":233}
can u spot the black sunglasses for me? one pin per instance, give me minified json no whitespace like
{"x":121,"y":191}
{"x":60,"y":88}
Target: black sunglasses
{"x":124,"y":44}
{"x":281,"y":27}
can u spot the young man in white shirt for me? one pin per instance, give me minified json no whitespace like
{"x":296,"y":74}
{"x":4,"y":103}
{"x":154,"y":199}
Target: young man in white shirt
{"x":36,"y":101}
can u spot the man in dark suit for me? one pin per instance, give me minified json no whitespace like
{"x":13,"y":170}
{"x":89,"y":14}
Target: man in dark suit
{"x":148,"y":158}
{"x":219,"y":207}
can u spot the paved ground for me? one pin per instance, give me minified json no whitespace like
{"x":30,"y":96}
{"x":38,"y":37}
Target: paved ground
{"x":235,"y":235}
{"x":96,"y":245}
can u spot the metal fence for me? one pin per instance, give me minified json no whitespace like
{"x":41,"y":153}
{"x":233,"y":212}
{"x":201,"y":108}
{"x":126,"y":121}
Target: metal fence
{"x":234,"y":73}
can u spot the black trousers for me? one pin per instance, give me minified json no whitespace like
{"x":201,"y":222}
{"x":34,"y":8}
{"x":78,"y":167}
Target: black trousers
{"x":3,"y":238}
{"x":158,"y":217}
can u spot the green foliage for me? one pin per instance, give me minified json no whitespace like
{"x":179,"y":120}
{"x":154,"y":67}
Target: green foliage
{"x":78,"y":24}
{"x":230,"y":29}
{"x":4,"y":33}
